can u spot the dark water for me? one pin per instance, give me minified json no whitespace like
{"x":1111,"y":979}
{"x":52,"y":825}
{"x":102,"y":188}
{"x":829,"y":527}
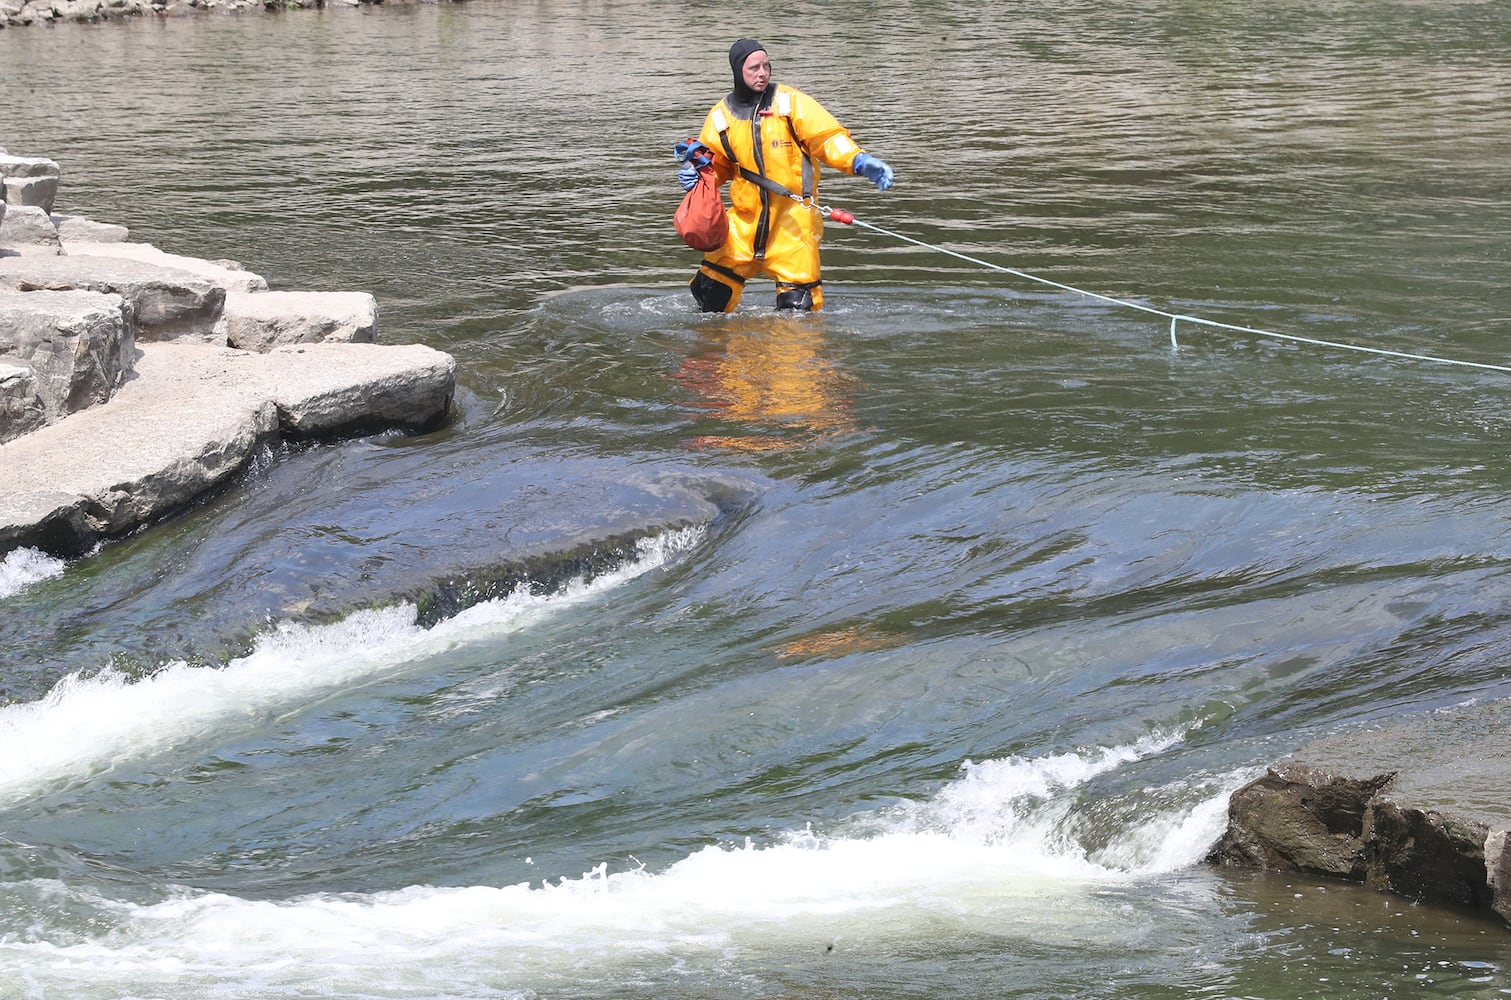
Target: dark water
{"x":976,"y":598}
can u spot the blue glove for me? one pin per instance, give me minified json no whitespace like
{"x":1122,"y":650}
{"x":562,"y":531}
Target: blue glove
{"x":692,"y":154}
{"x":693,"y":150}
{"x":875,"y":170}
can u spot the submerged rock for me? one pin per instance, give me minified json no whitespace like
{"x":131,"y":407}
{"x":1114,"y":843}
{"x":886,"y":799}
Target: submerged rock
{"x":1421,"y":809}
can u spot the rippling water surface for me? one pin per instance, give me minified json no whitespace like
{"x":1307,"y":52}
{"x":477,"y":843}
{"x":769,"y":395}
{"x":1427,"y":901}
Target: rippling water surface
{"x":974,"y":599}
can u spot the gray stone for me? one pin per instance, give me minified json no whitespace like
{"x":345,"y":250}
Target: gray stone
{"x":168,"y":303}
{"x":33,"y":192}
{"x":64,"y":351}
{"x":191,"y":418}
{"x":78,"y":229}
{"x":28,"y":166}
{"x":1498,"y":869}
{"x":231,"y":278}
{"x":18,"y":13}
{"x":27,"y":230}
{"x":77,"y":10}
{"x":1421,"y":853}
{"x":1301,"y":818}
{"x":1420,"y":808}
{"x":260,"y":321}
{"x":329,"y":389}
{"x":21,"y":408}
{"x":111,"y":468}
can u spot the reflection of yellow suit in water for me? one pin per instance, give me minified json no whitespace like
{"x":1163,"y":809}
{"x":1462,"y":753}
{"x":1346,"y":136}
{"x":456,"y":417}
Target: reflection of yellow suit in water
{"x":776,"y":377}
{"x":785,"y":139}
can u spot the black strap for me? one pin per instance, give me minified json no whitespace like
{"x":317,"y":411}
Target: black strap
{"x":807,"y":160}
{"x":721,"y":269}
{"x":761,"y":180}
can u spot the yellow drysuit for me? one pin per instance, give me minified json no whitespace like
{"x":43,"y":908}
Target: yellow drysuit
{"x":785,"y":140}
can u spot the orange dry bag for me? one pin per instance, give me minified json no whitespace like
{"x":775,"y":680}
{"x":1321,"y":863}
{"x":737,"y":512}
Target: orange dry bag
{"x":700,"y":219}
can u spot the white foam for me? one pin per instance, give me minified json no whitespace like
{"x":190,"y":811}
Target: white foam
{"x":1006,"y":798}
{"x":23,"y":567}
{"x":85,"y":725}
{"x":992,"y":852}
{"x":978,"y":857}
{"x":1176,"y":838}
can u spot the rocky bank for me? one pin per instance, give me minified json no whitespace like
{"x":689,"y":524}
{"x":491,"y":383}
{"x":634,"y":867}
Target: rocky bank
{"x":24,"y":13}
{"x":134,"y":381}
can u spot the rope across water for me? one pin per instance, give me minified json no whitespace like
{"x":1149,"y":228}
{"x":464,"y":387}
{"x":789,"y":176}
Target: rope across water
{"x":1175,"y":318}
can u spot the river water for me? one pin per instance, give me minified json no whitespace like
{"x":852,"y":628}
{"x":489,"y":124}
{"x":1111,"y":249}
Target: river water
{"x":958,"y":609}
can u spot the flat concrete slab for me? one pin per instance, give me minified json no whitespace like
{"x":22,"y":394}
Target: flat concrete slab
{"x":189,"y":418}
{"x":230,"y":278}
{"x":167,"y":302}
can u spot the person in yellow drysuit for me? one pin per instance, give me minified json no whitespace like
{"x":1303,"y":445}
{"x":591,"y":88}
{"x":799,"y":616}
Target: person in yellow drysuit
{"x":773,"y":131}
